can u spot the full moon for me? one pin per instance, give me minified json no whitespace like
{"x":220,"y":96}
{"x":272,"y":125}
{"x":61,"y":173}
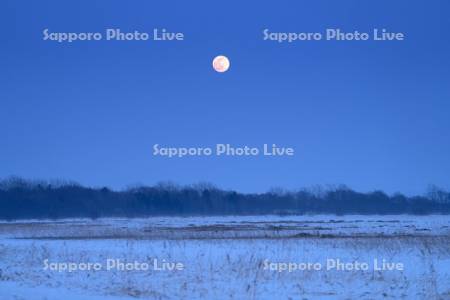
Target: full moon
{"x":221,"y":63}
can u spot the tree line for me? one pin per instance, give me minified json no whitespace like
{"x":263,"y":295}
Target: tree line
{"x":24,"y":199}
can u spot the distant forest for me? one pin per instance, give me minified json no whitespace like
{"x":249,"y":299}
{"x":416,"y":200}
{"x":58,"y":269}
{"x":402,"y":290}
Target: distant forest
{"x":23,"y":199}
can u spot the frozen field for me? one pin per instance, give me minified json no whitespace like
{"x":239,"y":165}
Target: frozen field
{"x":270,"y":257}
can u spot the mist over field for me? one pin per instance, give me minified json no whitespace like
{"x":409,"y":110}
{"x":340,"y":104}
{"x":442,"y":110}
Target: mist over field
{"x":60,"y":239}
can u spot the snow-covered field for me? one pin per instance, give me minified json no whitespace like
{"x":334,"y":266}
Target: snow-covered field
{"x":266,"y":257}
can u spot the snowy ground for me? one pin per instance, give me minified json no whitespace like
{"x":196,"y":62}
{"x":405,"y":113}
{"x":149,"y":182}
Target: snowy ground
{"x":228,"y":258}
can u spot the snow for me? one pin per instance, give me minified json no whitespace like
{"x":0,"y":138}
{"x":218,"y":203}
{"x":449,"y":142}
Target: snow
{"x":226,"y":257}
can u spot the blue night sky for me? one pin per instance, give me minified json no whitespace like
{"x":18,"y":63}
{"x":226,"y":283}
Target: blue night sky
{"x":371,"y":115}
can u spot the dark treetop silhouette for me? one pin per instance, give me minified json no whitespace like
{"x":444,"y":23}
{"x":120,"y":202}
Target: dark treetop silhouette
{"x":21,"y":199}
